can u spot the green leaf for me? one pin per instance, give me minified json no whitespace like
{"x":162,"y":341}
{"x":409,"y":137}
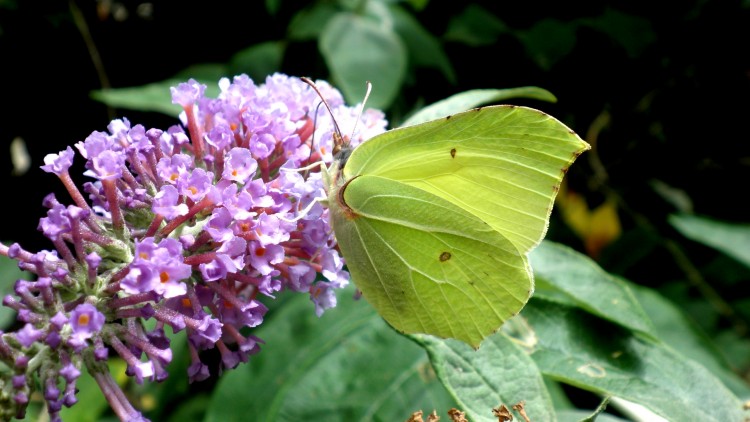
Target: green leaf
{"x":418,"y":4}
{"x":347,"y":365}
{"x":474,"y":98}
{"x":731,"y":239}
{"x":259,"y":60}
{"x":91,"y":401}
{"x":308,"y":23}
{"x":499,"y":372}
{"x":586,"y":285}
{"x":156,"y":96}
{"x":9,"y":273}
{"x":357,"y":50}
{"x":560,"y":399}
{"x":632,"y":32}
{"x":598,"y":411}
{"x":424,"y":48}
{"x":176,"y":386}
{"x":273,"y":6}
{"x":736,"y":348}
{"x":548,"y":41}
{"x":151,"y":97}
{"x":588,"y":352}
{"x":582,"y":415}
{"x":475,"y":26}
{"x":674,"y":329}
{"x":189,"y":410}
{"x":676,"y":197}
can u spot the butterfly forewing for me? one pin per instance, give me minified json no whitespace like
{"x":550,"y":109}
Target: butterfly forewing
{"x":503,"y":164}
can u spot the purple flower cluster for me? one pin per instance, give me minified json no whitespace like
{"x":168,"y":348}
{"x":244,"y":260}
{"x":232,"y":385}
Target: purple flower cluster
{"x":191,"y":227}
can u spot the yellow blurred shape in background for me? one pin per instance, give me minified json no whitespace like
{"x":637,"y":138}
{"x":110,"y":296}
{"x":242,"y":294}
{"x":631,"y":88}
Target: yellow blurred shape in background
{"x":596,"y":227}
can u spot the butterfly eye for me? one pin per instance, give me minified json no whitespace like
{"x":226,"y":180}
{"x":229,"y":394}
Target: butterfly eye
{"x":338,"y":143}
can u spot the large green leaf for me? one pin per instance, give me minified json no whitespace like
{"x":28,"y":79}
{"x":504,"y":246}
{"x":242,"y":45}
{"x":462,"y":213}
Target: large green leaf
{"x":156,"y":96}
{"x":576,"y":279}
{"x":424,"y":48}
{"x":674,"y":329}
{"x":347,"y":365}
{"x":633,"y":33}
{"x":259,"y":60}
{"x":308,"y":23}
{"x":731,"y":239}
{"x":474,"y":98}
{"x":358,"y":49}
{"x":475,"y":26}
{"x":499,"y":372}
{"x":583,"y":350}
{"x":549,"y":40}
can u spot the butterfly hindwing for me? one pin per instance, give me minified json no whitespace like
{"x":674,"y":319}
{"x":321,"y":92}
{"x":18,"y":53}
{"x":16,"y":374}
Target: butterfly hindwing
{"x":427,"y":265}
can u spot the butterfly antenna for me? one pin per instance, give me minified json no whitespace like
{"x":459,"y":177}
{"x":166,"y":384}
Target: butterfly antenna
{"x":312,"y":138}
{"x":361,"y":108}
{"x":338,"y":139}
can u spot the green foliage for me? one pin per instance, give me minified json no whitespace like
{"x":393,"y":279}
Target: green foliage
{"x":357,"y":49}
{"x":157,"y":97}
{"x":475,"y":98}
{"x":499,"y":372}
{"x":344,"y":366}
{"x":731,"y":239}
{"x":8,"y":271}
{"x":612,"y":361}
{"x":90,"y":394}
{"x":550,"y":40}
{"x":381,"y":42}
{"x":349,"y":365}
{"x":567,"y":277}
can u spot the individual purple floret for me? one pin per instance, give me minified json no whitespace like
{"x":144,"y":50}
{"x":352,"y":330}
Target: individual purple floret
{"x":194,"y":227}
{"x":85,"y":322}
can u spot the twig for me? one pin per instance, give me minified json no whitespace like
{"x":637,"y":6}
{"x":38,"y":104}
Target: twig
{"x":83,"y":28}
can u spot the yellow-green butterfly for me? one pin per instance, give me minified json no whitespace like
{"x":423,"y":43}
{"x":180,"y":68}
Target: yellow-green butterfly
{"x":435,"y":220}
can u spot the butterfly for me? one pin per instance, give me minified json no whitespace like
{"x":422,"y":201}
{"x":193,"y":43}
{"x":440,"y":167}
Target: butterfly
{"x":435,"y":221}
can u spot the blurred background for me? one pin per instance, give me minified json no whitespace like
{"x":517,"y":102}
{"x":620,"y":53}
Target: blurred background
{"x":661,"y":93}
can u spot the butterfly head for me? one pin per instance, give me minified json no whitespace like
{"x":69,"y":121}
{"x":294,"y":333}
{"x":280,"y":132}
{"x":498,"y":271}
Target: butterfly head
{"x":341,"y":143}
